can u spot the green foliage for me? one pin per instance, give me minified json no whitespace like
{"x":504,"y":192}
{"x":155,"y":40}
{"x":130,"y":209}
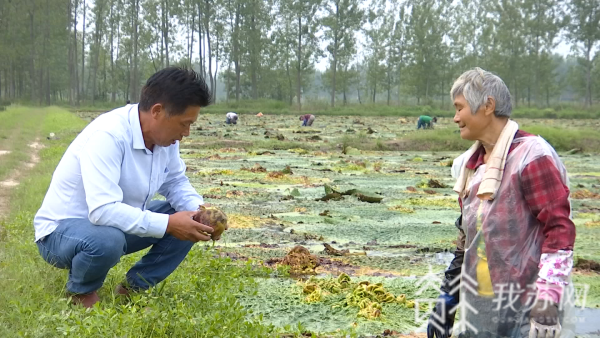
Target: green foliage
{"x":262,"y":50}
{"x":562,"y":139}
{"x":198,"y":300}
{"x":435,"y":140}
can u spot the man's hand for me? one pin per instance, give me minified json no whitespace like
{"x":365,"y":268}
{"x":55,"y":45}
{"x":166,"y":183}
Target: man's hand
{"x":442,"y":319}
{"x":182,"y":226}
{"x":544,"y":320}
{"x":214,"y":218}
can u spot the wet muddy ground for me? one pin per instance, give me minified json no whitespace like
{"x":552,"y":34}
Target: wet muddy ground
{"x":284,"y":186}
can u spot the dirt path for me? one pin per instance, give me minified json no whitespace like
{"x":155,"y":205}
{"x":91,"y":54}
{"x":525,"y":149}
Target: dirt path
{"x":12,"y":180}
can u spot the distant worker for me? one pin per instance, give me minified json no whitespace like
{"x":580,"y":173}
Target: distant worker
{"x":308,"y":120}
{"x":426,"y":122}
{"x":231,"y":118}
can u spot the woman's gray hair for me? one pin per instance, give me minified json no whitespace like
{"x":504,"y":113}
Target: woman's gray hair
{"x":477,"y":85}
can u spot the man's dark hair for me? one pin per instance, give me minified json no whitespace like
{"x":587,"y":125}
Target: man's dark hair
{"x":176,"y":89}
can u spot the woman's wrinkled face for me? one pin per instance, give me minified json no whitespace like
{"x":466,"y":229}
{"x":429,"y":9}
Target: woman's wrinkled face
{"x":471,"y":126}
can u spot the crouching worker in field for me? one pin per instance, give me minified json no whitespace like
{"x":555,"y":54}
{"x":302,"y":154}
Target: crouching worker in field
{"x":426,"y":122}
{"x":98,"y":206}
{"x":511,"y":275}
{"x":231,"y":118}
{"x":307,"y":120}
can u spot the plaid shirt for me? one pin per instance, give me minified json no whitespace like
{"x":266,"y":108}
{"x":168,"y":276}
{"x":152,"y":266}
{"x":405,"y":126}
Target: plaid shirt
{"x":546,"y":196}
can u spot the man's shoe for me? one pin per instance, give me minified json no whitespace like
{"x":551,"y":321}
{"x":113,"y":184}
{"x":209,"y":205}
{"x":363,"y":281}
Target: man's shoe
{"x":86,"y":299}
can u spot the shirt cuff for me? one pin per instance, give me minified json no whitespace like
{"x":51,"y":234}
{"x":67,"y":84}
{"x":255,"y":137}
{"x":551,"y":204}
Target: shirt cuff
{"x":550,"y":292}
{"x":555,"y":268}
{"x":157,"y":224}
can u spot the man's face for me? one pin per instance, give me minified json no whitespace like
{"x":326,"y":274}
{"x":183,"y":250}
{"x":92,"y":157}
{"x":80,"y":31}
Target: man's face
{"x":169,"y":129}
{"x":471,"y":126}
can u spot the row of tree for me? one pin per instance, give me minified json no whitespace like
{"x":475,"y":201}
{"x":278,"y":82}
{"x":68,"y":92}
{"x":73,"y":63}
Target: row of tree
{"x":377,"y":50}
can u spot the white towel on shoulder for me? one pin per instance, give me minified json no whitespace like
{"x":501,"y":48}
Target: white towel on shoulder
{"x":492,"y":178}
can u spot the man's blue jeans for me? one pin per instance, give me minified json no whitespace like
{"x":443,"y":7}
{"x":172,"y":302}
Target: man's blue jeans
{"x":89,"y":251}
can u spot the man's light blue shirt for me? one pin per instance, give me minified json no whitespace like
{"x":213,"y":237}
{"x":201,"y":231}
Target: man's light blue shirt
{"x":108,"y":176}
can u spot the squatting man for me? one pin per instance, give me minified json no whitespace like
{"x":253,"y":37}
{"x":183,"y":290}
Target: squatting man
{"x":99,"y":204}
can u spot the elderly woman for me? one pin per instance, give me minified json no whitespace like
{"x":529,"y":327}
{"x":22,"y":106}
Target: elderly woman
{"x":515,"y":247}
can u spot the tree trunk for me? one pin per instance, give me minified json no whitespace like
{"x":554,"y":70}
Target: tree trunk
{"x":192,"y":25}
{"x":113,"y":82}
{"x":516,"y":91}
{"x":83,"y":53}
{"x":43,"y":62}
{"x":32,"y":56}
{"x":427,"y":89}
{"x":20,"y":86}
{"x":374,"y":91}
{"x":214,"y":90}
{"x":334,"y":66}
{"x":104,"y":87}
{"x":588,"y":76}
{"x":335,"y":50}
{"x":127,"y":91}
{"x":14,"y":82}
{"x":228,"y":79}
{"x":253,"y":59}
{"x":389,"y":85}
{"x":236,"y":48}
{"x":165,"y":28}
{"x":70,"y":53}
{"x":344,"y":85}
{"x":299,"y":66}
{"x":46,"y":57}
{"x":47,"y":85}
{"x":134,"y":76}
{"x":207,"y":19}
{"x":200,"y":38}
{"x":289,"y":76}
{"x":97,"y":34}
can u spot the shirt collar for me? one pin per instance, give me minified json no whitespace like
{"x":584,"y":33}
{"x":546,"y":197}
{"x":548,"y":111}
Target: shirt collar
{"x":477,"y":158}
{"x":136,"y":128}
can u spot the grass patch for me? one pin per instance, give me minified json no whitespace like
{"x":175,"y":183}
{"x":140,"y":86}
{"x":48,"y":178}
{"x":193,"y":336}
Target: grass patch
{"x":587,"y":140}
{"x":274,"y":107}
{"x":432,"y":140}
{"x":18,"y":129}
{"x":593,"y":296}
{"x":445,"y":202}
{"x":199,"y":300}
{"x":566,"y":139}
{"x":282,"y":145}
